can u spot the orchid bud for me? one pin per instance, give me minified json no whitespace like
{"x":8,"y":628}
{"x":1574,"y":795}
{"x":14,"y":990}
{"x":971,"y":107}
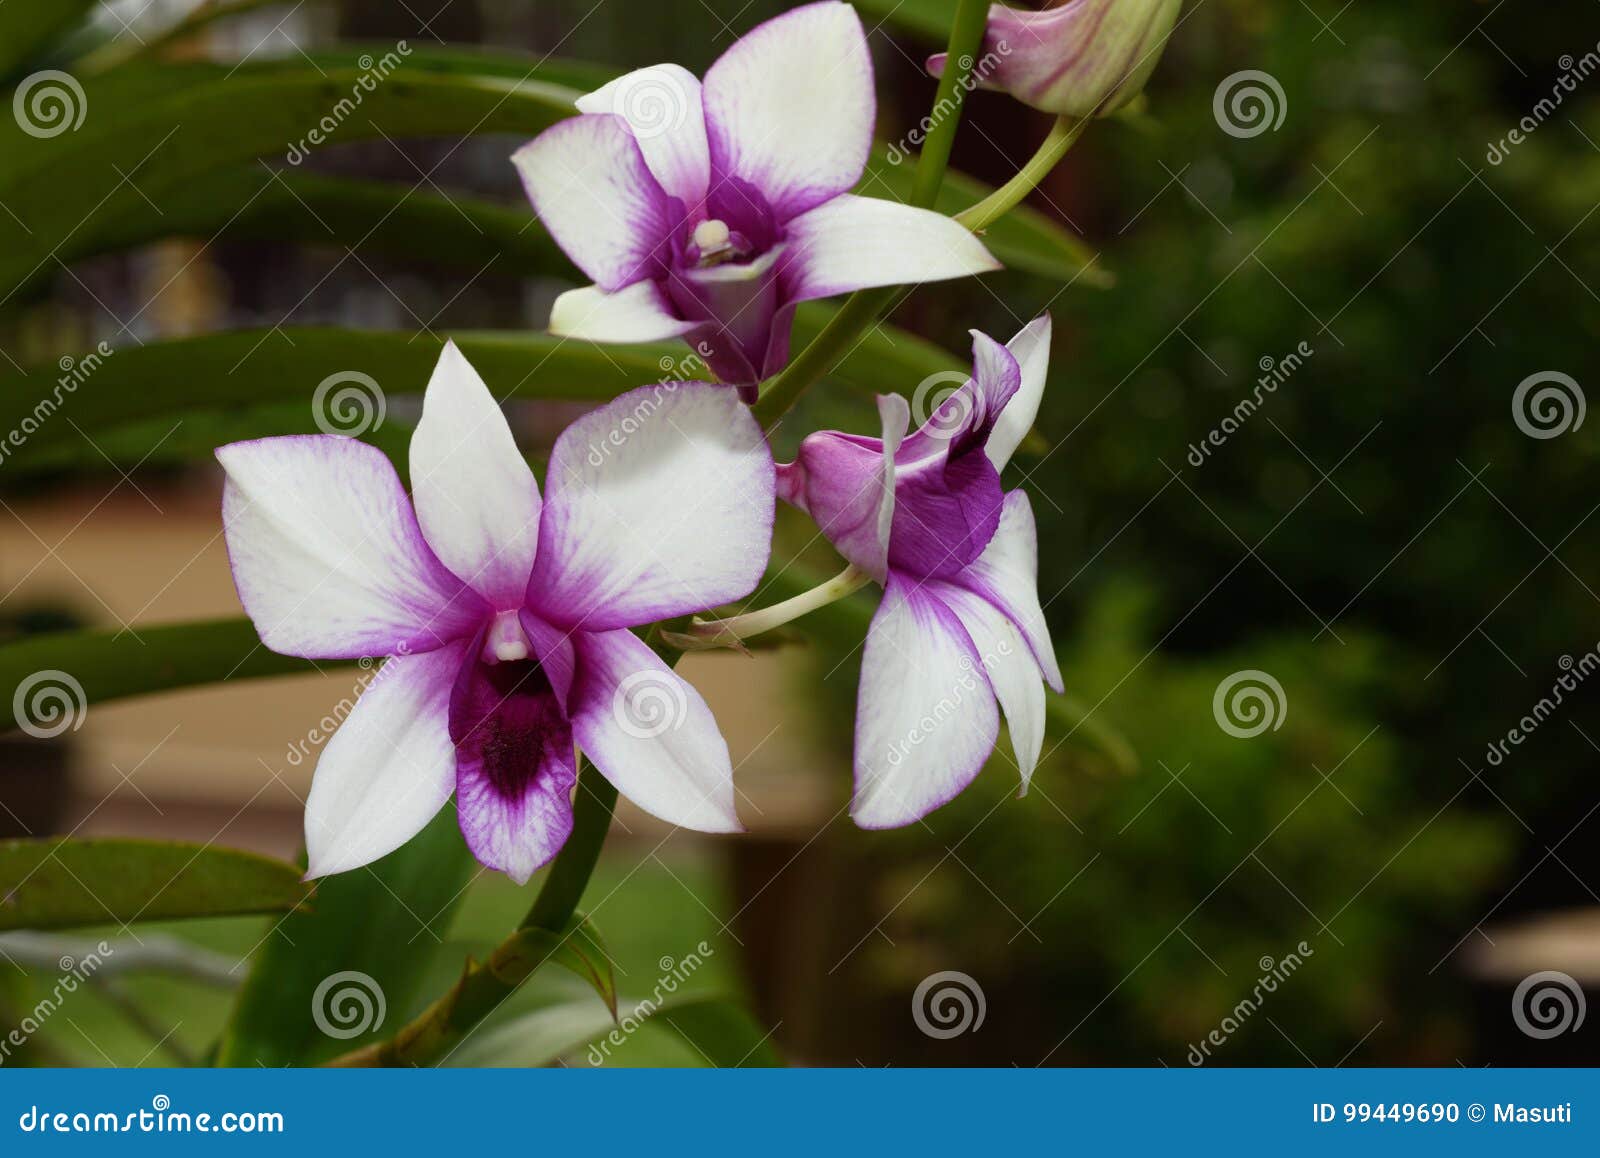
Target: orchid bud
{"x":1085,"y":58}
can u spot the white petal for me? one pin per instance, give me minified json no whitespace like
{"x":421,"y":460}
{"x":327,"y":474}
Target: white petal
{"x":590,"y":186}
{"x":389,"y":768}
{"x":327,"y":556}
{"x":639,"y":313}
{"x":925,"y":714}
{"x":476,"y":499}
{"x":854,"y":243}
{"x":1007,"y":575}
{"x":661,"y":104}
{"x":656,"y":505}
{"x":790,"y":107}
{"x":1012,"y":671}
{"x":649,"y":733}
{"x":1031,"y":348}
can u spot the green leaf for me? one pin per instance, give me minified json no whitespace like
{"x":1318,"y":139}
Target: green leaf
{"x":223,"y":372}
{"x":717,"y":1031}
{"x":107,"y":665}
{"x":29,"y":27}
{"x":577,"y":948}
{"x":324,"y":976}
{"x":416,"y":226}
{"x":160,"y":128}
{"x":52,"y":883}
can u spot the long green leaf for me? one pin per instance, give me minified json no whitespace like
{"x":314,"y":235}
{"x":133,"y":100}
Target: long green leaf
{"x":163,"y":134}
{"x":332,"y":977}
{"x":108,"y":665}
{"x":245,"y":201}
{"x":717,"y":1031}
{"x":52,"y":883}
{"x":225,"y":371}
{"x":373,"y":217}
{"x":29,"y":27}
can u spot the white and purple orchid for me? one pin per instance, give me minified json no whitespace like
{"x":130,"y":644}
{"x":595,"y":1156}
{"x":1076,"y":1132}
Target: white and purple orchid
{"x":960,"y":626}
{"x":709,"y":211}
{"x":1083,"y":58}
{"x":506,"y":616}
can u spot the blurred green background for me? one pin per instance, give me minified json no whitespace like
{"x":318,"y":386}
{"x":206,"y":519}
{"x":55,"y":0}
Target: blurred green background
{"x":1381,"y":537}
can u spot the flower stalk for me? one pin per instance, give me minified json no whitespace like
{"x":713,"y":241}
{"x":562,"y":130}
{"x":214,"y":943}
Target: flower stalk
{"x":705,"y":634}
{"x":1063,"y":135}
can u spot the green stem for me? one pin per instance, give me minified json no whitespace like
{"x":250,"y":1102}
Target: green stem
{"x":831,"y":344}
{"x":1063,"y":135}
{"x":570,"y":871}
{"x":966,"y":37}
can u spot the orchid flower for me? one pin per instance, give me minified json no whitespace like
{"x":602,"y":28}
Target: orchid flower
{"x":1085,"y":58}
{"x":709,"y":211}
{"x":507,"y":616}
{"x":960,"y":626}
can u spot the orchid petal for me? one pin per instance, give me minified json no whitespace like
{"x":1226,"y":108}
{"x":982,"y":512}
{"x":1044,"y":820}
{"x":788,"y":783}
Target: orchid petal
{"x":847,"y":485}
{"x":326,"y":553}
{"x":590,"y":186}
{"x":1007,"y":575}
{"x":476,"y":499}
{"x":790,"y":107}
{"x":661,"y":104}
{"x":947,"y":508}
{"x":1011,"y":668}
{"x":1031,"y":348}
{"x":389,"y":768}
{"x":853,"y":243}
{"x":925,"y":714}
{"x":649,"y":733}
{"x":658,"y":504}
{"x":638,"y":313}
{"x":515,"y":765}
